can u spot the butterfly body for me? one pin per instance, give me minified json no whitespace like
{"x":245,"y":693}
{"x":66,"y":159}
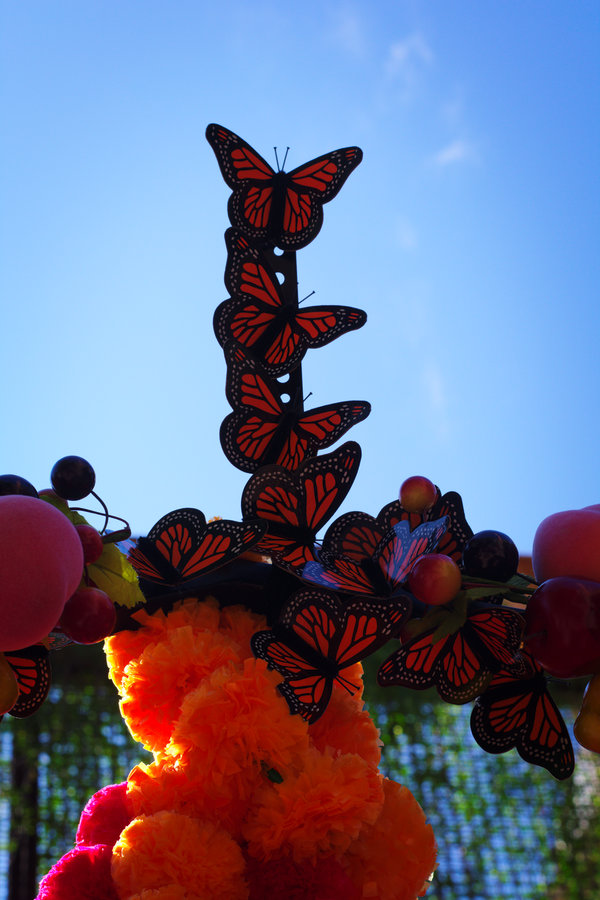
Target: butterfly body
{"x":278,"y":208}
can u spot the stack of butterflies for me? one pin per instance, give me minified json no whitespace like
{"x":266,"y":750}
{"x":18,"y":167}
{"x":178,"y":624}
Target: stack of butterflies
{"x":333,"y":602}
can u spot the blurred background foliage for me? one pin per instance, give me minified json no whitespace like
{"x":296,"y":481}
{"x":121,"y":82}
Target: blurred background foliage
{"x":504,"y":828}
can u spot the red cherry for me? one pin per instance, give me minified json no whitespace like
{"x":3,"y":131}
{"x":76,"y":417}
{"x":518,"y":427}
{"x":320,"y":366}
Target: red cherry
{"x":89,"y":616}
{"x":562,"y":629}
{"x":91,"y":541}
{"x":417,"y":494}
{"x":434,"y":579}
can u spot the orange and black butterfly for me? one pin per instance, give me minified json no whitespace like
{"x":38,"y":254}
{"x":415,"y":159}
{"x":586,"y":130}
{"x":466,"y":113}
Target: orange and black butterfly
{"x":183,"y":547}
{"x":269,"y":327}
{"x":461,"y":663}
{"x":450,"y":504}
{"x":517,"y":711}
{"x":317,"y":639}
{"x":263,"y":429}
{"x":380,"y":569}
{"x":281,"y":208}
{"x":295,"y":505}
{"x":31,"y":667}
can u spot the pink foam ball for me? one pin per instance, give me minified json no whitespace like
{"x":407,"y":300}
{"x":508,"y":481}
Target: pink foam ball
{"x":41,"y":564}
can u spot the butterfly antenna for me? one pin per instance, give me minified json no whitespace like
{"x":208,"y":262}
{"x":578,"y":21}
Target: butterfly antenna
{"x":305,"y":298}
{"x":287,"y":150}
{"x":307,"y":396}
{"x":277,"y":160}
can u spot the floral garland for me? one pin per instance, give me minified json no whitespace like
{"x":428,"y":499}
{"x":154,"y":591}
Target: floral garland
{"x":242,"y":800}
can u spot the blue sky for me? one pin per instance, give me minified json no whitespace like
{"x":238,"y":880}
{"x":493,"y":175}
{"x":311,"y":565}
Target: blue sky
{"x":469,"y":234}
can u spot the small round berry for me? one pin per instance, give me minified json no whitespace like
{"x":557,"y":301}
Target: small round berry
{"x":72,"y":478}
{"x":491,"y":555}
{"x":434,"y":579}
{"x":91,"y":541}
{"x":14,"y":484}
{"x":417,"y":494}
{"x":89,"y":616}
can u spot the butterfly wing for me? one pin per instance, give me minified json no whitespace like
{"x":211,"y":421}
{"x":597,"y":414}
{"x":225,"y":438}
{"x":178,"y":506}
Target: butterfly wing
{"x":182,"y":547}
{"x":497,"y":632}
{"x":450,"y":663}
{"x":519,"y":712}
{"x":295,"y":505}
{"x":355,"y":535}
{"x":32,"y":670}
{"x":250,"y":178}
{"x":306,"y":189}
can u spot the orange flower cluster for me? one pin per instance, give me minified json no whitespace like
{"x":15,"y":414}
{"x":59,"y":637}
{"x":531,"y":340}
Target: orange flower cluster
{"x":239,"y":787}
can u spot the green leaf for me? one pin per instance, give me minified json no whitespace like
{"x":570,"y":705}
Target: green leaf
{"x":114,"y":575}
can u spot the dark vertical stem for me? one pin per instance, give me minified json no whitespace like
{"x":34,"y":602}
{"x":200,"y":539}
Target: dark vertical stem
{"x":22,"y":873}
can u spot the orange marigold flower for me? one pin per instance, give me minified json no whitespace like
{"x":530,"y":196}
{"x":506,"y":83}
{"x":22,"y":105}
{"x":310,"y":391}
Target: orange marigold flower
{"x":239,"y":624}
{"x":187,"y":789}
{"x":125,"y":646}
{"x":155,"y":684}
{"x":171,"y":892}
{"x":393,"y":858}
{"x":319,"y":812}
{"x":237,"y":718}
{"x":169,"y":849}
{"x":347,"y":727}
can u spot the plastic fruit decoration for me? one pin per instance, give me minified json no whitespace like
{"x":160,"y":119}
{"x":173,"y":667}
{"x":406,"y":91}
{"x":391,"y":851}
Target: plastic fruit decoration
{"x":41,"y":562}
{"x":491,"y":555}
{"x":417,"y":494}
{"x":73,"y":478}
{"x":562,"y":628}
{"x":587,"y":724}
{"x":88,"y":617}
{"x":434,"y":579}
{"x":568,"y":543}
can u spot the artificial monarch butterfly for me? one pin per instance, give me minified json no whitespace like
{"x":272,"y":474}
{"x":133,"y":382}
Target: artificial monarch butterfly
{"x":517,"y":711}
{"x":295,"y":505}
{"x":182,"y":547}
{"x":461,"y":663}
{"x":263,"y":429}
{"x":268,"y":326}
{"x":383,"y":572}
{"x":281,"y":208}
{"x":317,"y":639}
{"x":31,"y":667}
{"x":450,"y":504}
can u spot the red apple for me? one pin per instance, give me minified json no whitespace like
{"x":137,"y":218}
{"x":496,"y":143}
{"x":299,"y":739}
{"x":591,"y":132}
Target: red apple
{"x":562,"y":626}
{"x":568,"y":543}
{"x":417,"y":494}
{"x":89,"y":616}
{"x":41,"y":562}
{"x":434,"y":579}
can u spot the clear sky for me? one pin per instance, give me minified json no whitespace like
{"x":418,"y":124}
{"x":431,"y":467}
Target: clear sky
{"x":469,"y":234}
